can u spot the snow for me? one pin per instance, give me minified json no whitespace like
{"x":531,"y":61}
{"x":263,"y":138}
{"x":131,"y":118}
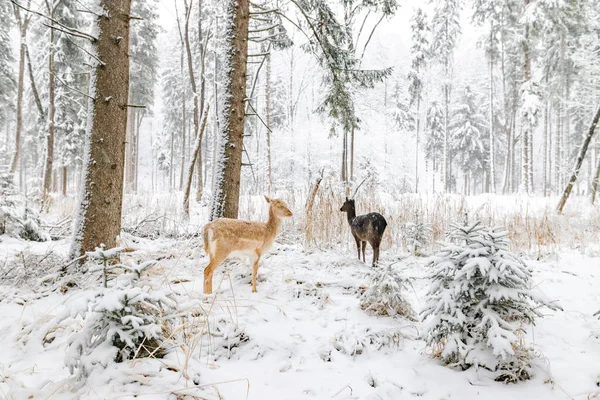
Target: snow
{"x":302,"y":336}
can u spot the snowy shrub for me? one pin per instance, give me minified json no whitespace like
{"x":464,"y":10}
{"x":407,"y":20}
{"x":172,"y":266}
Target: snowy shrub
{"x":351,"y":343}
{"x":34,"y":271}
{"x":128,"y":320}
{"x":416,"y":235}
{"x":16,"y":218}
{"x":479,"y":303}
{"x":225,"y":337}
{"x":309,"y":290}
{"x":384,"y":295}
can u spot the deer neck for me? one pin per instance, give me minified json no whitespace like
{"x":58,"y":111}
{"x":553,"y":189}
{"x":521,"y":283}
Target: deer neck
{"x":273,"y":222}
{"x":351,"y":214}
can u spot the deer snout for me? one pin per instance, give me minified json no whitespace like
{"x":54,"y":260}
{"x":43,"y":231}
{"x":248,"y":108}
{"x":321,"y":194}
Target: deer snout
{"x":288,"y":213}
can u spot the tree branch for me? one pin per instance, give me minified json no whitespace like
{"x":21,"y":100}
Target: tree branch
{"x":70,"y":31}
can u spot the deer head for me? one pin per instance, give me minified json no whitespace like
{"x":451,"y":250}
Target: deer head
{"x":348,"y":205}
{"x":280,"y":209}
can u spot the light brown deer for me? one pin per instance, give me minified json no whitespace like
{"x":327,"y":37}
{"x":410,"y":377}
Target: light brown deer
{"x":227,"y":237}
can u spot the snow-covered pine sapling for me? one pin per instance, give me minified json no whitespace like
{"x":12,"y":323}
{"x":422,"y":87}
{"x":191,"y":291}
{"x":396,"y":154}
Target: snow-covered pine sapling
{"x":128,"y":320}
{"x":479,"y":303}
{"x":384,"y":295}
{"x":104,"y":257}
{"x":416,"y":234}
{"x":16,"y":218}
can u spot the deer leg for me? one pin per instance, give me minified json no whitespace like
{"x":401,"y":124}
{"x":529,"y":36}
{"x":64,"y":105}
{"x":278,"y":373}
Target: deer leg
{"x":375,"y":246}
{"x":357,"y":246}
{"x":255,"y":272}
{"x":364,"y":247}
{"x":215,"y":261}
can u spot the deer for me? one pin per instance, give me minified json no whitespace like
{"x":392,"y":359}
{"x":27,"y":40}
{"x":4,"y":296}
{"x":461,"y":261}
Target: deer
{"x":227,"y":237}
{"x":365,"y":228}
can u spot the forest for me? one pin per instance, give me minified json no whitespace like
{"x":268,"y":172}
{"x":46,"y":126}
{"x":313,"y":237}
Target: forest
{"x":185,"y":186}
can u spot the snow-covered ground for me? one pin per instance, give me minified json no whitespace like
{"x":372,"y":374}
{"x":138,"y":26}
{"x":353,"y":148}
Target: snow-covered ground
{"x":302,"y":336}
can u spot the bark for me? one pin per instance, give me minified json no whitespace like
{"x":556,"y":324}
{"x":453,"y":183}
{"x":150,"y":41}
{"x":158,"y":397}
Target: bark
{"x":23,"y":24}
{"x":445,"y":182}
{"x":227,"y":187}
{"x":51,"y":113}
{"x":578,"y":162}
{"x":203,"y":48}
{"x":64,"y":180}
{"x":492,"y":159}
{"x":99,"y":215}
{"x":417,"y":146}
{"x":195,"y":153}
{"x":525,"y":168}
{"x":545,"y":150}
{"x":192,"y":77}
{"x":36,"y":94}
{"x":352,"y":154}
{"x":595,"y":183}
{"x":268,"y":120}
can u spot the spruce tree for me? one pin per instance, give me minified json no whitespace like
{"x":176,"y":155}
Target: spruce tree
{"x":418,"y":52}
{"x":480,"y":302}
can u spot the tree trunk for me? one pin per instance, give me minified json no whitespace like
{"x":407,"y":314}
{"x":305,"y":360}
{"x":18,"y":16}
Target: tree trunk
{"x":192,"y":77}
{"x":203,"y":49}
{"x":418,"y":118}
{"x":595,"y":183}
{"x":227,"y":188}
{"x":491,"y":122}
{"x":578,"y":162}
{"x":129,"y":149}
{"x":445,"y":161}
{"x":268,"y":120}
{"x":352,"y":154}
{"x":99,"y":216}
{"x":64,"y":180}
{"x":23,"y":25}
{"x":195,"y":153}
{"x":51,"y":113}
{"x":525,"y":168}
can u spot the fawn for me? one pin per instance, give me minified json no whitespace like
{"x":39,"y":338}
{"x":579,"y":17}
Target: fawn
{"x":227,"y":237}
{"x":365,"y":228}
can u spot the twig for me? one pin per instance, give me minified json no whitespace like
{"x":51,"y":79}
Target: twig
{"x":73,"y":31}
{"x":72,"y":88}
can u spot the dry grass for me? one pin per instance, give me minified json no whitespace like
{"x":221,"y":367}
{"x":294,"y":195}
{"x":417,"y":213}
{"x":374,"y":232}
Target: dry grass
{"x":533,"y":225}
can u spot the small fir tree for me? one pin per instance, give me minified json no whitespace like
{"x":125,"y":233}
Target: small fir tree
{"x":384,"y":295}
{"x":416,"y":235}
{"x":479,"y":302}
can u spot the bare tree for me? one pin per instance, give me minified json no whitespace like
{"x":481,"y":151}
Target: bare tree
{"x":23,"y":18}
{"x":51,"y":110}
{"x":99,"y":216}
{"x":195,"y":153}
{"x":579,"y":162}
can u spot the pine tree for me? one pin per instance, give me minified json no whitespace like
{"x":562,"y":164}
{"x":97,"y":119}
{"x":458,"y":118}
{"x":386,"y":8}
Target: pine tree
{"x":71,"y":86}
{"x":400,"y":112}
{"x":445,"y":28}
{"x":418,"y":51}
{"x":144,"y":74}
{"x":434,"y":140}
{"x":479,"y":303}
{"x":468,"y":135}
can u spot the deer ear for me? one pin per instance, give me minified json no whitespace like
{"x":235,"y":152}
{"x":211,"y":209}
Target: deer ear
{"x":267,"y":198}
{"x":346,"y":198}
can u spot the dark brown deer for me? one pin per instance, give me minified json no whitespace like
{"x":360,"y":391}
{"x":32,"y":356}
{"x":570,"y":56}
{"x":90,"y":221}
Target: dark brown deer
{"x":365,"y":228}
